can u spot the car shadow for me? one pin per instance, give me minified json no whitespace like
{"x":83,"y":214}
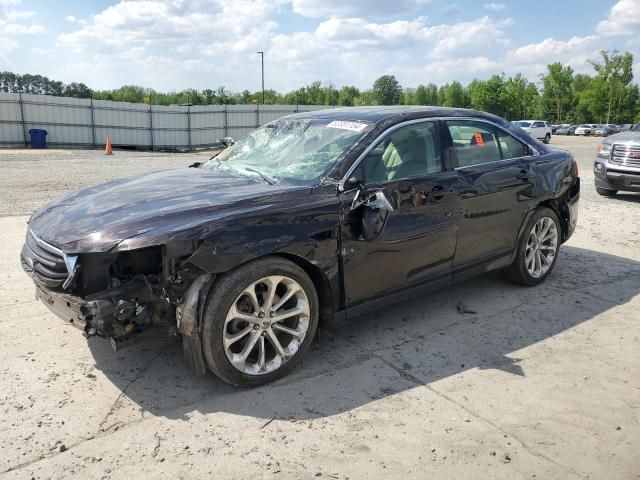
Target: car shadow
{"x":627,"y":197}
{"x":394,"y":349}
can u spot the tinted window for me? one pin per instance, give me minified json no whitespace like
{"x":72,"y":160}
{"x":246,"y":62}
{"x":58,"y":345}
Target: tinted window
{"x":410,"y":151}
{"x":476,"y":143}
{"x":538,"y":124}
{"x":473,"y":143}
{"x":510,"y":147}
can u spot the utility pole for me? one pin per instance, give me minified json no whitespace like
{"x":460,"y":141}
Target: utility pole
{"x":262,"y":64}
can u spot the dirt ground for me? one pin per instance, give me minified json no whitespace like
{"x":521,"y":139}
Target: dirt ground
{"x":540,"y":383}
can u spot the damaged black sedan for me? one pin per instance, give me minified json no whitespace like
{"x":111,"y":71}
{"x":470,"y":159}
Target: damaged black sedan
{"x":309,"y":219}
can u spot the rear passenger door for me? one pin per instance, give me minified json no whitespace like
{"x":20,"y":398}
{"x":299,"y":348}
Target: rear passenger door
{"x":496,"y":181}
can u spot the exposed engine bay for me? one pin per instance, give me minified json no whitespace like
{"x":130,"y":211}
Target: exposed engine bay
{"x":129,"y":297}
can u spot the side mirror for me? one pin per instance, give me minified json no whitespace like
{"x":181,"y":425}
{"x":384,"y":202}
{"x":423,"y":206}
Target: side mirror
{"x":227,"y":141}
{"x":352,"y":184}
{"x":374,"y":215}
{"x":379,"y":201}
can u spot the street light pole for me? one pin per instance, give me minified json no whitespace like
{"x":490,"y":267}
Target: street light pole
{"x":262,"y":63}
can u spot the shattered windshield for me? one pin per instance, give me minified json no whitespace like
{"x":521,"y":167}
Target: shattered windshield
{"x":298,"y":151}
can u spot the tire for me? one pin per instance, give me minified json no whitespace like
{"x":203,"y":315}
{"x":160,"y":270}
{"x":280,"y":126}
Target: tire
{"x":547,"y":138}
{"x":221,"y":324}
{"x":519,"y":271}
{"x":605,"y":192}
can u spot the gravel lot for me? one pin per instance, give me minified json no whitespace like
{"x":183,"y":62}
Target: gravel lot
{"x":539,"y":383}
{"x":29,"y":179}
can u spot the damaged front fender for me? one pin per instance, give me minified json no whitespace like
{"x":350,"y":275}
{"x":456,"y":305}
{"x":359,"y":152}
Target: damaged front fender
{"x":189,"y":321}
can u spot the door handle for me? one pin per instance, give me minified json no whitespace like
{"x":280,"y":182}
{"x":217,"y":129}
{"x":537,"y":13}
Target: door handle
{"x":436,"y":193}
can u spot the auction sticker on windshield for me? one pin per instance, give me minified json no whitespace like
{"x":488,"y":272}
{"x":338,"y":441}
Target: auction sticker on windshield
{"x":354,"y":126}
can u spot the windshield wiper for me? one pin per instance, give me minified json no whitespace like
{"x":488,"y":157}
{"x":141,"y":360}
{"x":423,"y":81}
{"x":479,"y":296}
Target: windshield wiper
{"x":265,"y":177}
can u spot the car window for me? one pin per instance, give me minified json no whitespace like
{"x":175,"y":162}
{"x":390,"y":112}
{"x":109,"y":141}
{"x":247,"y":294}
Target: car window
{"x":473,"y":143}
{"x":511,"y":147}
{"x":538,"y":124}
{"x":409,"y":151}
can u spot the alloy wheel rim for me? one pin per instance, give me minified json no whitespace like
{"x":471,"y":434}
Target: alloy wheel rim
{"x":266,"y":325}
{"x":542,"y":246}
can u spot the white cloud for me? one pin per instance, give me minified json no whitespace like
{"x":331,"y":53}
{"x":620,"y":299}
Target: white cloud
{"x":40,"y":51}
{"x":172,"y":44}
{"x":494,"y":6}
{"x":167,"y":23}
{"x":14,"y":23}
{"x":435,"y":41}
{"x":355,"y":8}
{"x":623,"y":19}
{"x":175,"y":44}
{"x":572,"y":51}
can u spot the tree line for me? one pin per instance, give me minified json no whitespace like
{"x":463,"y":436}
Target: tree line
{"x":607,"y":96}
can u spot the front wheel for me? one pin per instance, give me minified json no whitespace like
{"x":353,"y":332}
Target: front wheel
{"x":259,"y":321}
{"x":547,"y":138}
{"x":538,"y":249}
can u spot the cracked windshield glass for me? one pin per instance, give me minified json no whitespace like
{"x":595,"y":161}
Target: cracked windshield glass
{"x":290,"y":151}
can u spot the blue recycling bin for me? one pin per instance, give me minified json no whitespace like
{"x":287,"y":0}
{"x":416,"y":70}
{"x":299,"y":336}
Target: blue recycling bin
{"x":38,"y":138}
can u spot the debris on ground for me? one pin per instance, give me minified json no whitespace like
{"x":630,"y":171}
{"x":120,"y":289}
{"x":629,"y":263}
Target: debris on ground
{"x":462,"y":309}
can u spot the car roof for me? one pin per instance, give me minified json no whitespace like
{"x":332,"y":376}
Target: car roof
{"x":375,"y":114}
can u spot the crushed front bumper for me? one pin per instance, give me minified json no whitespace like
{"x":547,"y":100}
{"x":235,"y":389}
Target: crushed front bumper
{"x":95,"y":317}
{"x":73,"y":310}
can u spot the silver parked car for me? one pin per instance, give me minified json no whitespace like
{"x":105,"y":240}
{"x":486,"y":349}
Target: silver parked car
{"x":617,"y":166}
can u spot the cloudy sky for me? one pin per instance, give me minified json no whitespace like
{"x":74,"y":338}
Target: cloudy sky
{"x":176,"y":44}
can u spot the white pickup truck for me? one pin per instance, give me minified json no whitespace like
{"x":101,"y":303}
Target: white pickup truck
{"x":536,"y":128}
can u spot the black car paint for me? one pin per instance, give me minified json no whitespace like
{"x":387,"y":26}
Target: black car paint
{"x":231,"y":220}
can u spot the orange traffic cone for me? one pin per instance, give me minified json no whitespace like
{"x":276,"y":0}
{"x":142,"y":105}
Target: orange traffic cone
{"x":108,"y":149}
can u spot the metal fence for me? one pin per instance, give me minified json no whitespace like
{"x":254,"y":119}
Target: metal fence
{"x":86,"y":123}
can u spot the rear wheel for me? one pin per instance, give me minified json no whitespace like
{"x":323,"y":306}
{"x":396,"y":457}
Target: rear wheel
{"x":259,"y":321}
{"x":538,"y":249}
{"x":605,"y":192}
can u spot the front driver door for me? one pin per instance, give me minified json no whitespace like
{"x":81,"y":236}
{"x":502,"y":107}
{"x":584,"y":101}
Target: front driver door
{"x":415,"y":242}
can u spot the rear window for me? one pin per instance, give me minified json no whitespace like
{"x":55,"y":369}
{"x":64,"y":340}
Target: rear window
{"x":475,"y":143}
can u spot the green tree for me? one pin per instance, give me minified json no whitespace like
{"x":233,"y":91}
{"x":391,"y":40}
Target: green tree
{"x":454,"y":95}
{"x":77,"y":90}
{"x":387,"y":90}
{"x":616,"y":71}
{"x":348,"y":96}
{"x":487,"y":95}
{"x":557,"y":86}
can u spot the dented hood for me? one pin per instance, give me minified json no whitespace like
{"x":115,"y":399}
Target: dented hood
{"x":152,"y":209}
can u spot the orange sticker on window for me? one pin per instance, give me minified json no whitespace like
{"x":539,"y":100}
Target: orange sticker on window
{"x":479,"y":140}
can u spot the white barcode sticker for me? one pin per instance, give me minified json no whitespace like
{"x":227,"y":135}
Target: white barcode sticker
{"x":353,"y":126}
